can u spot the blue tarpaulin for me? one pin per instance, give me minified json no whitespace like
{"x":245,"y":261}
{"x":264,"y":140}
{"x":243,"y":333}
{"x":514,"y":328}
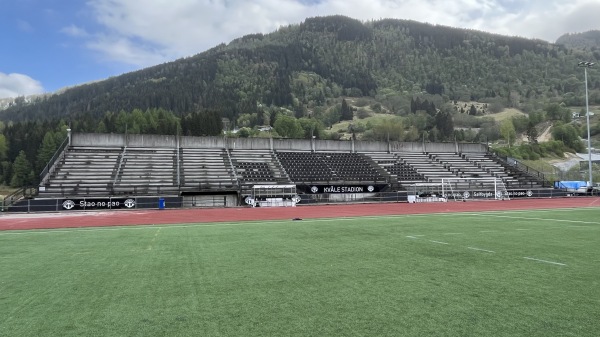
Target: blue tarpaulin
{"x":574,"y":185}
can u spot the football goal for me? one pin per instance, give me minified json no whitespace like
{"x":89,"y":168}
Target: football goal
{"x":459,"y":189}
{"x":273,"y":196}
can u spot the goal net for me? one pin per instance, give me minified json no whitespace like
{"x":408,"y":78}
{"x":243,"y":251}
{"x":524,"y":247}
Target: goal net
{"x":462,"y":189}
{"x":273,"y":196}
{"x":458,"y":189}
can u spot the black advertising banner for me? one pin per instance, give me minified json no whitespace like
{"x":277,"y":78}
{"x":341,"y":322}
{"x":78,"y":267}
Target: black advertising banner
{"x":335,"y":189}
{"x":97,"y":203}
{"x":490,"y":194}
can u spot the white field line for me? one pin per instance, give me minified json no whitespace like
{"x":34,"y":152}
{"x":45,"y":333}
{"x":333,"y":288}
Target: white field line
{"x":544,"y":261}
{"x":523,"y":229}
{"x":411,"y":237}
{"x":541,"y":219}
{"x":529,"y":211}
{"x":481,"y":250}
{"x":440,"y":242}
{"x":153,"y":239}
{"x":453,"y":233}
{"x":488,"y":231}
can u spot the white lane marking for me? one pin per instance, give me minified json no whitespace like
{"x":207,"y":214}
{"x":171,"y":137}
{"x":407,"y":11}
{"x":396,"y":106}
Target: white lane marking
{"x":544,"y":261}
{"x":482,"y":250}
{"x":541,"y":219}
{"x":440,"y":242}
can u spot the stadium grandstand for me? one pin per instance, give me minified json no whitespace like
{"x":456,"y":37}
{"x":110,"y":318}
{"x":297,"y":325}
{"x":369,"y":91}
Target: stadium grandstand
{"x":149,"y":171}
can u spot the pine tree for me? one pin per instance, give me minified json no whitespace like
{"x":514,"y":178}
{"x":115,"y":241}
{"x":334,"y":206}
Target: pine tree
{"x":46,"y":150}
{"x":347,"y":114}
{"x":22,"y":173}
{"x":532,"y":133}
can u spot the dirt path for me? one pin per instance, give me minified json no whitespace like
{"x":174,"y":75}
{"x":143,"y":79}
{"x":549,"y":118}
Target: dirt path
{"x":545,"y":136}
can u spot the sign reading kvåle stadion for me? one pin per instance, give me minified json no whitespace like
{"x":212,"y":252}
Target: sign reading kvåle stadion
{"x":316,"y":188}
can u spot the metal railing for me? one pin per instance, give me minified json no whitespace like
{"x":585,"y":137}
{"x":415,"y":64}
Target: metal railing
{"x":21,"y":193}
{"x":533,"y":173}
{"x":50,"y":166}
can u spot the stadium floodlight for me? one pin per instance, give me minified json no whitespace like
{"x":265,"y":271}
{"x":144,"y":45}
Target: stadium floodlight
{"x":585,"y":65}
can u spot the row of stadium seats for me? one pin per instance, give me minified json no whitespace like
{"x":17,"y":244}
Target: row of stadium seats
{"x":98,"y":171}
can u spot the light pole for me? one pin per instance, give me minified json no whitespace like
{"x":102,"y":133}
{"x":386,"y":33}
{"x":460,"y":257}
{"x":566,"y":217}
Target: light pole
{"x":585,"y":65}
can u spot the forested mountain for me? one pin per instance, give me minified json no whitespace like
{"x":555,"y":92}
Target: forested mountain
{"x":308,"y":73}
{"x":325,"y":57}
{"x":586,"y":40}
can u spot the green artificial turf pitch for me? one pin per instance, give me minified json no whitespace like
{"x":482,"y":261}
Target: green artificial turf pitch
{"x":518,"y":273}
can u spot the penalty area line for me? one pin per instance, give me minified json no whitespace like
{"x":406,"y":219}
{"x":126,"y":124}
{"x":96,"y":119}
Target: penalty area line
{"x":481,"y":250}
{"x":544,"y":261}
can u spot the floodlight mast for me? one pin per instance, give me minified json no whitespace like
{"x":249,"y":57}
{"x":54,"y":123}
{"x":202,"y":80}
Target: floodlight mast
{"x":585,"y":65}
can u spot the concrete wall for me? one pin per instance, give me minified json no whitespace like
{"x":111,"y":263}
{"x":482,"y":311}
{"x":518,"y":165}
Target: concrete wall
{"x":169,"y":141}
{"x":202,"y":142}
{"x":155,"y":141}
{"x":292,"y":144}
{"x":98,"y":139}
{"x":436,"y":147}
{"x":249,"y":143}
{"x":333,"y":145}
{"x":370,"y":146}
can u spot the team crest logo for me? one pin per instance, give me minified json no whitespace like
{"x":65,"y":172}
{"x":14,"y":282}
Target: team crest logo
{"x":68,"y":204}
{"x":466,"y":194}
{"x":129,"y":203}
{"x":249,"y":200}
{"x":529,"y":193}
{"x":499,"y":194}
{"x":370,"y":188}
{"x":296,"y":199}
{"x":314,"y":189}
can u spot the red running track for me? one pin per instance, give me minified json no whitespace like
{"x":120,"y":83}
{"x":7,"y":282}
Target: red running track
{"x":17,"y":221}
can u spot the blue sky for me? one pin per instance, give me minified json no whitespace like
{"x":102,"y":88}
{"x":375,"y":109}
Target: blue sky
{"x":51,"y":44}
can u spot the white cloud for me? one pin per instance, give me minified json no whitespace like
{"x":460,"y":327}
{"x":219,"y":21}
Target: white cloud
{"x":150,"y":32}
{"x":14,"y":85}
{"x":74,"y":31}
{"x":24,"y":26}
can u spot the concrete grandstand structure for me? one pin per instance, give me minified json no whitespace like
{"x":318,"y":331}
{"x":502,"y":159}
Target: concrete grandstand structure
{"x":188,"y":171}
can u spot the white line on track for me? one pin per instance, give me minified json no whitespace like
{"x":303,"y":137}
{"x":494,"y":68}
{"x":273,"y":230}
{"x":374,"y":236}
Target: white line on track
{"x":120,"y":228}
{"x":440,"y":242}
{"x":544,"y":261}
{"x":138,"y":227}
{"x":481,"y":250}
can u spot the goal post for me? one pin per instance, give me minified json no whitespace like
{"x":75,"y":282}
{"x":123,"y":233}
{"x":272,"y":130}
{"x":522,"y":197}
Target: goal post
{"x":458,"y":189}
{"x":273,"y":196}
{"x":474,"y":189}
